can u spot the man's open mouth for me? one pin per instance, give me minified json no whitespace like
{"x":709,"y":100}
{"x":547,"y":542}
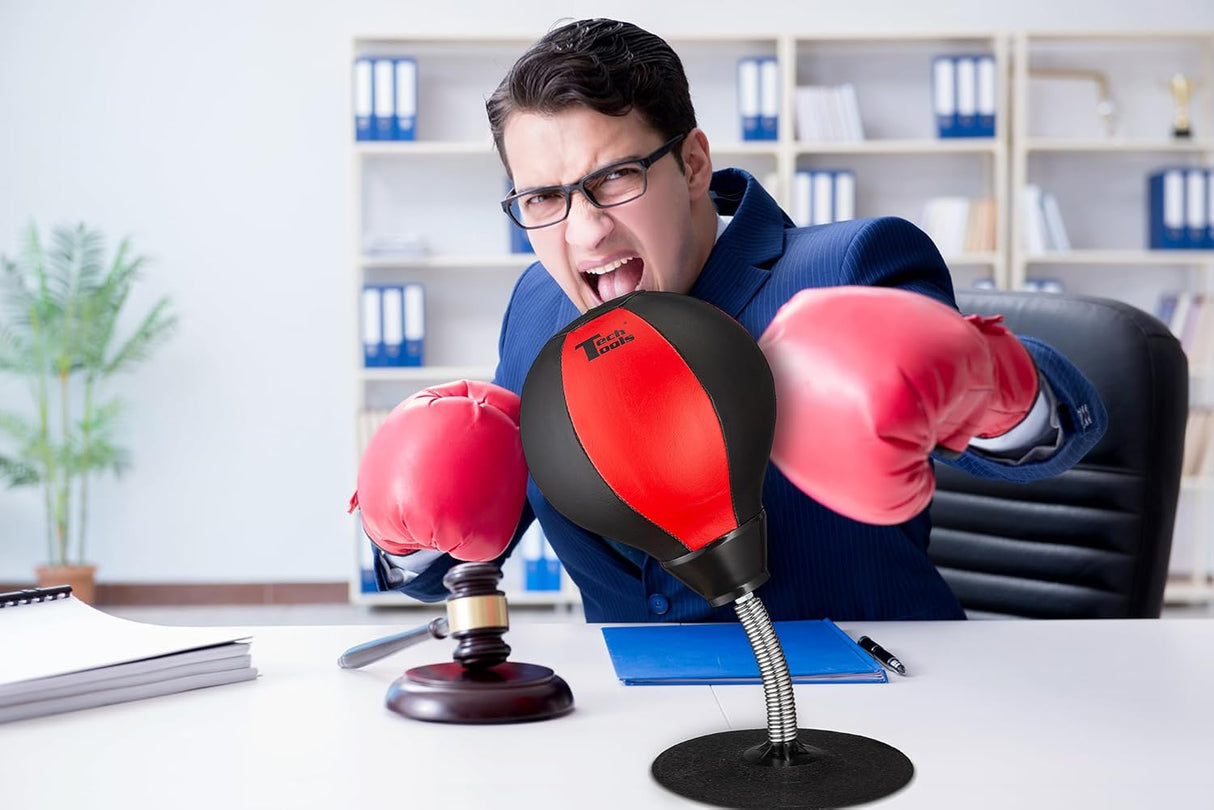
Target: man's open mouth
{"x":614,"y":279}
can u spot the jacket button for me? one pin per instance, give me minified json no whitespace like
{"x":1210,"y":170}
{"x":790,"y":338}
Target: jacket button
{"x":658,"y":603}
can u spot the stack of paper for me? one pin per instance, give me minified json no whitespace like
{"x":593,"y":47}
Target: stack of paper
{"x":1043,"y":226}
{"x":960,"y":224}
{"x":62,"y":655}
{"x":828,"y":114}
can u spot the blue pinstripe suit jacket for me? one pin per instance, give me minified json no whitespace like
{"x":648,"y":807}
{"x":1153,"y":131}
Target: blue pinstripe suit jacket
{"x":822,"y":564}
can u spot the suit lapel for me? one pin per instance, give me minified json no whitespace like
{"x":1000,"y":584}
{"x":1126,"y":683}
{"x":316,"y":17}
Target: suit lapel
{"x":738,"y":265}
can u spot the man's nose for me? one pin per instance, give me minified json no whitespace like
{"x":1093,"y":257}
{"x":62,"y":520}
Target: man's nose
{"x":586,"y":225}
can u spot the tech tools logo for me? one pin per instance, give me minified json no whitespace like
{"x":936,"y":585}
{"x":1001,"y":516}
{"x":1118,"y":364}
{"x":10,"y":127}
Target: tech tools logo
{"x":598,"y":344}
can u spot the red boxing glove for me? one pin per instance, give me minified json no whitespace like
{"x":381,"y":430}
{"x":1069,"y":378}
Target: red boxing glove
{"x":870,"y":380}
{"x":445,"y":471}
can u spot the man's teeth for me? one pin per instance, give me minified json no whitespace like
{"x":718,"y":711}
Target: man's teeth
{"x":607,"y":268}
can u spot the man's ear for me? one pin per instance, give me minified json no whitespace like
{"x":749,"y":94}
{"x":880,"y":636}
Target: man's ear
{"x":697,"y":163}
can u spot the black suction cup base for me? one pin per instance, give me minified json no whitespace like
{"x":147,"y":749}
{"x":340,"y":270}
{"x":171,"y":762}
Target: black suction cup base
{"x":506,"y":693}
{"x":741,"y":769}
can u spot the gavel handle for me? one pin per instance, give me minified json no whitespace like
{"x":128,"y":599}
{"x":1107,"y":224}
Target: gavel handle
{"x":371,"y":651}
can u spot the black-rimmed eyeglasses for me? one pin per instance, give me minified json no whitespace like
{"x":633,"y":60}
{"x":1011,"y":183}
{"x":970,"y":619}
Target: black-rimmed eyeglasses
{"x":612,"y":185}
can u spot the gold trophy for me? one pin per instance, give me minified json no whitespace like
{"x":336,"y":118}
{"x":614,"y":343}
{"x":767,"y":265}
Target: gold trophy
{"x":1182,"y":90}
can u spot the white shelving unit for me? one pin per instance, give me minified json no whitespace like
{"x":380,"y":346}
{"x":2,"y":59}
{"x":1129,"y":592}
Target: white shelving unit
{"x":1097,"y":167}
{"x":1195,"y":588}
{"x":902,"y":163}
{"x":438,"y":194}
{"x":1100,"y":178}
{"x":442,"y":189}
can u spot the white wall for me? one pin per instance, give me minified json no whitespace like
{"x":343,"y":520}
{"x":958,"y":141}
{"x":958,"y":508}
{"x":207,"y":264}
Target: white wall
{"x":216,"y":136}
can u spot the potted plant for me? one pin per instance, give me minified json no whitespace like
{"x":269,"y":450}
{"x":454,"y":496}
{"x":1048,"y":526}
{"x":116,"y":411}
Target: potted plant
{"x":60,"y":307}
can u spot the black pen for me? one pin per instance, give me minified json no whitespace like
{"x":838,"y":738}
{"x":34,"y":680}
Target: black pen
{"x":883,"y":655}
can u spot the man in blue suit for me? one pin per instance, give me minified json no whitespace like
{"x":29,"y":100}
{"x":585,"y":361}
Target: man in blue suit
{"x":615,"y":182}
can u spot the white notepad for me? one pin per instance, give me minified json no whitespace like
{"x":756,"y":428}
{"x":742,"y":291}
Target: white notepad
{"x":60,"y":655}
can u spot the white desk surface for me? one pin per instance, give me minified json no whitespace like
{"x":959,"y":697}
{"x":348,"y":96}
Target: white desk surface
{"x":1109,"y":714}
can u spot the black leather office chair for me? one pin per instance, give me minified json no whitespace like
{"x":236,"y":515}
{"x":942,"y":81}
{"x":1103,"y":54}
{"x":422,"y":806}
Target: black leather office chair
{"x":1094,"y":541}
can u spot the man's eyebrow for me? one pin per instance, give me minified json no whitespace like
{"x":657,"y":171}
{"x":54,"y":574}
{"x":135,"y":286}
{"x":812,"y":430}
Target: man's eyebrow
{"x":531,"y":189}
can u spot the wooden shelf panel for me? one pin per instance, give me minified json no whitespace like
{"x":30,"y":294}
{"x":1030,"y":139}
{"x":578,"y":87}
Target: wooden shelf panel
{"x":413,"y":148}
{"x":1120,"y":36}
{"x":1143,"y":257}
{"x":928,"y":37}
{"x":980,"y":259}
{"x":1118,"y":145}
{"x":902,"y":146}
{"x":761,"y":148}
{"x":427,"y":373}
{"x":505,"y":261}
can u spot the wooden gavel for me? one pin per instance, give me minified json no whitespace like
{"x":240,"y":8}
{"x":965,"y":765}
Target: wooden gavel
{"x":476,"y":615}
{"x":480,"y":686}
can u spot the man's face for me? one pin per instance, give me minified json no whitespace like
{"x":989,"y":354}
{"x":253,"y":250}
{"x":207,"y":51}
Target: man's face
{"x":595,"y":254}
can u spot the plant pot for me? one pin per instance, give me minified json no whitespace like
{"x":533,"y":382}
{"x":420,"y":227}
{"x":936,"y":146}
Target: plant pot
{"x":80,"y":577}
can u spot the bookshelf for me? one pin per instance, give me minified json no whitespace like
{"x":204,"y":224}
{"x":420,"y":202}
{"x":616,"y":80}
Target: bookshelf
{"x":434,"y":199}
{"x":440,"y":191}
{"x":901,"y":162}
{"x":1097,"y":165}
{"x":1093,"y":115}
{"x":1195,"y":586}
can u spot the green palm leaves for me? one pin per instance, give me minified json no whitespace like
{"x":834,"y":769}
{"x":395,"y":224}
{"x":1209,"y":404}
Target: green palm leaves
{"x":65,"y":331}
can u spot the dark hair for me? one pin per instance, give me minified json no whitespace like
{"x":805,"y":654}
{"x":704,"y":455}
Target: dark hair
{"x":607,"y":66}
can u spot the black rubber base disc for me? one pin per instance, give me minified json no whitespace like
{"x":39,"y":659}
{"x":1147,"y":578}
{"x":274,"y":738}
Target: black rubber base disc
{"x":506,"y":693}
{"x":836,"y":770}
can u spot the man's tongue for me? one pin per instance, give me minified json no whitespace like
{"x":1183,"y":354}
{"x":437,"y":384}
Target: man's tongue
{"x":621,"y":281}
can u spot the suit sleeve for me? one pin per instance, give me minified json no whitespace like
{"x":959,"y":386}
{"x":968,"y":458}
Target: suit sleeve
{"x":427,"y":585}
{"x":891,"y":252}
{"x":1080,"y":412}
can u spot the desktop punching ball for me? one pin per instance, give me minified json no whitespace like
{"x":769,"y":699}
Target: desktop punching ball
{"x":638,"y":423}
{"x":650,"y":420}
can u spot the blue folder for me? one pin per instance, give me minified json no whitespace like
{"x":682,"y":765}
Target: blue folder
{"x":668,"y":654}
{"x":364,"y":88}
{"x":749,"y":98}
{"x":1166,"y":215}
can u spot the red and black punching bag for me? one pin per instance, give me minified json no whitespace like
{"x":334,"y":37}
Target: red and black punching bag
{"x":649,"y":420}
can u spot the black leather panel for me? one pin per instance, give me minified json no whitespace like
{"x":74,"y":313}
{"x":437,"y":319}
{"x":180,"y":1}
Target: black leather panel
{"x":1095,"y":487}
{"x":1037,"y":558}
{"x":1094,"y":541}
{"x":1030,"y":599}
{"x":1075,"y":525}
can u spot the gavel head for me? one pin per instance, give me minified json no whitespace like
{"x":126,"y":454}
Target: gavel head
{"x":477,"y":615}
{"x":649,"y":420}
